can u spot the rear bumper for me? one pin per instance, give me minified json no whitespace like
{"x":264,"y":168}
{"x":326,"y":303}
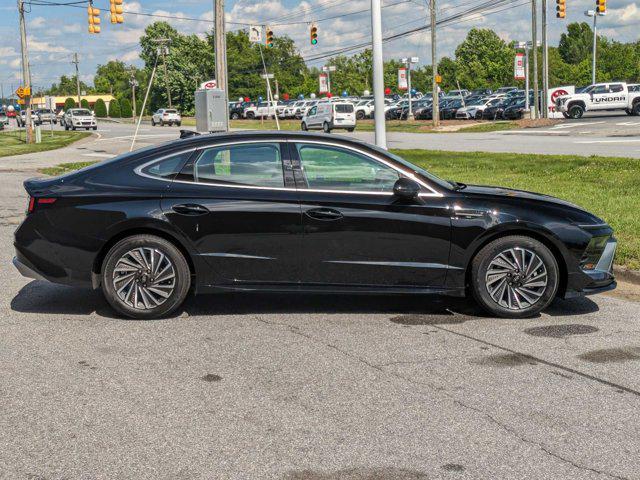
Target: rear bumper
{"x":26,"y":270}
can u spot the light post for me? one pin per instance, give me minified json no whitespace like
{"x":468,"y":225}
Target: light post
{"x":594,"y":14}
{"x":407,"y":63}
{"x":526,"y":46}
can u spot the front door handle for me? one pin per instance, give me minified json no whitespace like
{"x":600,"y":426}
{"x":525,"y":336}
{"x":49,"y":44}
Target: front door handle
{"x":324,"y":214}
{"x":192,"y":209}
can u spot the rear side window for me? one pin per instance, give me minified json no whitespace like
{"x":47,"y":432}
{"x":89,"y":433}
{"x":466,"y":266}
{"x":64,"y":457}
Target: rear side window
{"x":256,"y":164}
{"x":344,"y":108}
{"x":168,"y":167}
{"x":616,"y":88}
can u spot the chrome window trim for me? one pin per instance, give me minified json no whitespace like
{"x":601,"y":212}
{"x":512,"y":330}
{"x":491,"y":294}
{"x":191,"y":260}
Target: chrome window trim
{"x":432,"y":193}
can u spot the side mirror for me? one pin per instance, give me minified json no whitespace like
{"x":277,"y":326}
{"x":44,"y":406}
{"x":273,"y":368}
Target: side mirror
{"x":406,"y":188}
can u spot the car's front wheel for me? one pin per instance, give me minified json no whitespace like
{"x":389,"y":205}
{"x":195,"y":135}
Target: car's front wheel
{"x":145,"y":277}
{"x":576,"y":111}
{"x":304,"y":127}
{"x":514,"y":277}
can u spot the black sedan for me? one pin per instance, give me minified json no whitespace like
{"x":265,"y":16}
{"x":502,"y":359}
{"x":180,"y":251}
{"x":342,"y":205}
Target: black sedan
{"x":300,"y":212}
{"x":515,"y":111}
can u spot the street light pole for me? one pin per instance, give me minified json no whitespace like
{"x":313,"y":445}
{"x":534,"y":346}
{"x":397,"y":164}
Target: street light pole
{"x":378,"y":73}
{"x":435,"y":107}
{"x":76,"y":61}
{"x":26,"y":74}
{"x":221,"y":52}
{"x":534,"y":46}
{"x":545,"y":62}
{"x":594,"y":14}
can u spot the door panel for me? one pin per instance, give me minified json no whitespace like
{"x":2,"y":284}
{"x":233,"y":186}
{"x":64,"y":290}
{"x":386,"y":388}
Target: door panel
{"x":356,"y":232}
{"x":374,"y":240}
{"x":247,"y":234}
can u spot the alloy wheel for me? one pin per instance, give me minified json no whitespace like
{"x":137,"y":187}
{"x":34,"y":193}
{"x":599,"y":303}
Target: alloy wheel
{"x":516,"y":278}
{"x":144,"y":278}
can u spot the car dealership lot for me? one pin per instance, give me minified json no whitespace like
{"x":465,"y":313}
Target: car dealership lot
{"x":275,"y":386}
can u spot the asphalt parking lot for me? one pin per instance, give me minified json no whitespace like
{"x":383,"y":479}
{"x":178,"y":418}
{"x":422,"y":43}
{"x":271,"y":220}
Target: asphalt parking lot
{"x":307,"y":387}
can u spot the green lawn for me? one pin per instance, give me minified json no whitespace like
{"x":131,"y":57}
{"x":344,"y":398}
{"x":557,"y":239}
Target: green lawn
{"x":13,"y":142}
{"x":605,"y":186}
{"x":489,"y":127}
{"x":65,"y":168}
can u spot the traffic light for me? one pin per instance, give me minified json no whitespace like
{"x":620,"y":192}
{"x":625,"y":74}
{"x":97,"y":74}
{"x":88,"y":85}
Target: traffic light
{"x":94,"y":18}
{"x":116,"y":11}
{"x":601,"y":7}
{"x":561,"y":8}
{"x":313,"y":34}
{"x":269,"y":38}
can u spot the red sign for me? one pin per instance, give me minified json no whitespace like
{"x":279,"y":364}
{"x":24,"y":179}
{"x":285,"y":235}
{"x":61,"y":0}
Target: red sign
{"x":209,"y":85}
{"x":518,"y":67}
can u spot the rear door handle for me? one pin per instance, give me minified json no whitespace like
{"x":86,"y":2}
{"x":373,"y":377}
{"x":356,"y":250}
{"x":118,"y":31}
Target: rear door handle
{"x":324,"y":214}
{"x":191,"y":209}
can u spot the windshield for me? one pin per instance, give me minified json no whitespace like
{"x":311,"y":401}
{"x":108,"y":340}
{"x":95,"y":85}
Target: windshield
{"x":81,"y":113}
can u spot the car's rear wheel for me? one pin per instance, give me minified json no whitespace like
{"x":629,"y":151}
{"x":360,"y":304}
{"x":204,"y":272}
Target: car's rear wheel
{"x":636,"y":108}
{"x":145,"y":277}
{"x":360,"y":115}
{"x":326,"y":128}
{"x":304,"y":127}
{"x":514,"y":277}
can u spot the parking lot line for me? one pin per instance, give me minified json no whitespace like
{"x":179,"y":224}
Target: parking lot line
{"x":607,"y":141}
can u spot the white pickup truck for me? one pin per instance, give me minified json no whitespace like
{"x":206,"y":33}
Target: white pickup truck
{"x":598,"y":97}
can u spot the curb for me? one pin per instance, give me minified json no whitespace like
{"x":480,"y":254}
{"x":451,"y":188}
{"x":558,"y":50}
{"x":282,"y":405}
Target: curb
{"x":627,"y":275}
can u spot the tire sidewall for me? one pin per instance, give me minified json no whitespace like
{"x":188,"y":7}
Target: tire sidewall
{"x":488,"y":253}
{"x":183,"y":276}
{"x":576,"y":111}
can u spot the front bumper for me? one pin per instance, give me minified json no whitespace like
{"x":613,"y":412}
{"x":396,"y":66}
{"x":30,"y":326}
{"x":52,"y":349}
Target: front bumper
{"x":600,"y":279}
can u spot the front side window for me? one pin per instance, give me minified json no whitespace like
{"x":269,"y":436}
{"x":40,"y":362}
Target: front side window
{"x":256,"y":164}
{"x":601,"y":89}
{"x":313,"y":111}
{"x":339,"y":169}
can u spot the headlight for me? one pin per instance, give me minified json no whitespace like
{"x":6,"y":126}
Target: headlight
{"x":593,"y":252}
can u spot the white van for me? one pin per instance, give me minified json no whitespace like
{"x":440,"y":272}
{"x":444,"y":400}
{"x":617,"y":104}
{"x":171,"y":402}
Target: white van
{"x":330,"y":115}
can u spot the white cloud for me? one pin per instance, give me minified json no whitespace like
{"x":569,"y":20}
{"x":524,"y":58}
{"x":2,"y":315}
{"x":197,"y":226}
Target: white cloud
{"x":37,"y":22}
{"x":15,"y":63}
{"x":72,"y":28}
{"x":7,"y":52}
{"x":44,"y":46}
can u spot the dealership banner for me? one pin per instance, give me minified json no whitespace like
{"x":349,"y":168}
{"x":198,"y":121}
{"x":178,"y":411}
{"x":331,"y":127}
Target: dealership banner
{"x":324,"y":84}
{"x":554,"y":93}
{"x":518,"y":67}
{"x":402,"y":79}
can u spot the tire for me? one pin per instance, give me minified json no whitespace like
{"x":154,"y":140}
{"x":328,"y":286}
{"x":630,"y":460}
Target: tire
{"x":66,"y":127}
{"x":95,"y":128}
{"x":153,"y":122}
{"x":576,"y":111}
{"x":251,"y":115}
{"x":533,"y":298}
{"x":326,"y":128}
{"x":636,"y":109}
{"x":73,"y":128}
{"x":179,"y":124}
{"x":304,"y":127}
{"x":132,"y":302}
{"x":360,"y":115}
{"x":566,"y":115}
{"x":235,"y":116}
{"x":350,"y":130}
{"x":478,"y":115}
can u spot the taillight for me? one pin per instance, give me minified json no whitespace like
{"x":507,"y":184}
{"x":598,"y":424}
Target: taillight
{"x":39,"y":201}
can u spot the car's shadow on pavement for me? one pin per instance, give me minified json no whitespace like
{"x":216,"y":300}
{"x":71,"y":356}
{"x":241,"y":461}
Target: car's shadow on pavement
{"x":43,"y":297}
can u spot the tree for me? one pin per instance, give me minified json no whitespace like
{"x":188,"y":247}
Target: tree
{"x":67,"y":86}
{"x":484,"y":60}
{"x":114,"y":108}
{"x":84,"y":103}
{"x":125,"y":108}
{"x":100,"y":108}
{"x":69,"y":103}
{"x":576,"y":45}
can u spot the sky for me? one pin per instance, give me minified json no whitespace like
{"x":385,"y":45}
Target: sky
{"x":55,"y":32}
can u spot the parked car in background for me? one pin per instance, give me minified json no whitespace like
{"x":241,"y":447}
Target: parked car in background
{"x":496,"y":110}
{"x":166,"y":116}
{"x":364,"y":109}
{"x":481,"y":92}
{"x":599,"y":97}
{"x":236,"y":110}
{"x":4,"y":120}
{"x":329,"y":116}
{"x":505,"y":89}
{"x":450,"y":108}
{"x":21,"y":118}
{"x":458,"y":93}
{"x":75,"y":118}
{"x":473,"y":110}
{"x":515,"y":111}
{"x":45,"y":115}
{"x":261,"y":110}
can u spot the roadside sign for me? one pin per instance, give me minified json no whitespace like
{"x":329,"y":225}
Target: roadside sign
{"x":402,"y":79}
{"x":209,"y":84}
{"x":438,"y":79}
{"x":23,"y":92}
{"x":50,"y":103}
{"x":554,"y":93}
{"x":324,"y":84}
{"x":255,"y":33}
{"x":518,"y":67}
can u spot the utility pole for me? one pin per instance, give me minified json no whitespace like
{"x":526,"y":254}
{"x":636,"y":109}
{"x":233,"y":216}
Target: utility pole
{"x":162,"y":50}
{"x":534,"y":46}
{"x":76,"y":61}
{"x":594,"y":14}
{"x":378,"y":74}
{"x":221,"y":51}
{"x":545,"y":62}
{"x":435,"y":108}
{"x":26,"y":75}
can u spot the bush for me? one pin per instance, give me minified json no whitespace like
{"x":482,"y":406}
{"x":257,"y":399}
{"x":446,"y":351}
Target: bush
{"x":69,"y":103}
{"x":114,"y":109}
{"x":84,"y":103}
{"x":125,"y":108}
{"x":100,"y":108}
